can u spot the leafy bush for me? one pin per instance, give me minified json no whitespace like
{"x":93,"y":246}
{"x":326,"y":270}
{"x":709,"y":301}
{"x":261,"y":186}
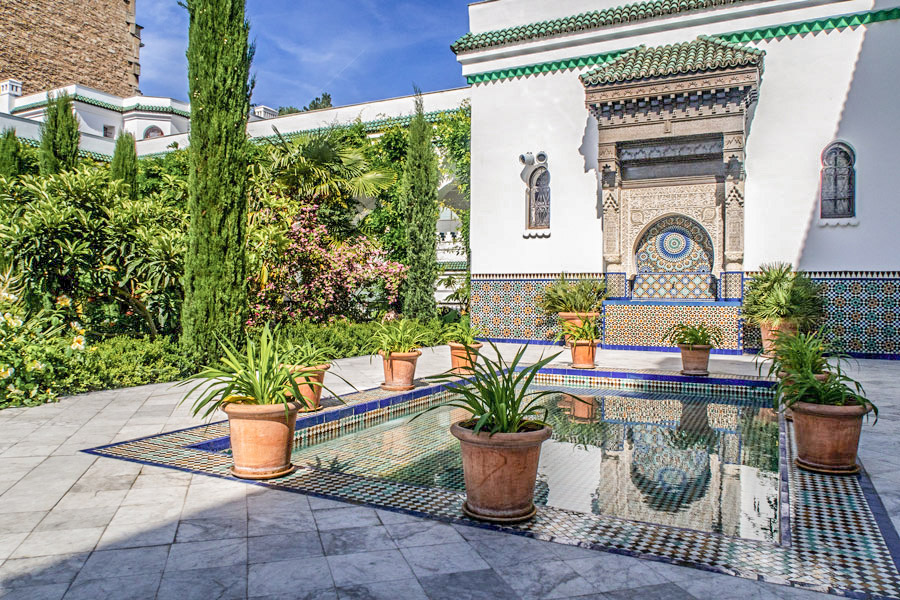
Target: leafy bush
{"x":837,"y":389}
{"x":779,"y":294}
{"x":585,"y":330}
{"x":693,"y":335}
{"x":405,"y":335}
{"x":581,"y":296}
{"x":462,"y":332}
{"x":804,"y":352}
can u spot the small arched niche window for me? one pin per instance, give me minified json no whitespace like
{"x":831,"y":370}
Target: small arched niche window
{"x":539,"y":199}
{"x":153,"y":132}
{"x":838,"y":200}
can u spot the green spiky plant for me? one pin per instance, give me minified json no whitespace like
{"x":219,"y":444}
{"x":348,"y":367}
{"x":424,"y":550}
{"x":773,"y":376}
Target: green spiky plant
{"x":307,"y":354}
{"x":463,"y":332}
{"x":803,"y":352}
{"x":10,"y":154}
{"x":838,"y":389}
{"x":124,"y":163}
{"x":693,"y":335}
{"x":497,"y":395}
{"x":580,"y":296}
{"x":215,"y":270}
{"x":258,"y":375}
{"x":404,"y":335}
{"x":59,"y":136}
{"x":781,"y":295}
{"x":587,"y":331}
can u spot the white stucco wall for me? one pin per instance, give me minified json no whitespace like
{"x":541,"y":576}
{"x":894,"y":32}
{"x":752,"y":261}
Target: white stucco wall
{"x":815,"y":89}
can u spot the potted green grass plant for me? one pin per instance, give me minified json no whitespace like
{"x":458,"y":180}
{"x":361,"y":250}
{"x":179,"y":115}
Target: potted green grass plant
{"x":695,"y":343}
{"x":310,"y":363}
{"x":582,"y":336}
{"x":398,"y":343}
{"x":501,"y":440}
{"x":781,"y":299}
{"x":806,"y":352}
{"x":462,"y":339}
{"x":252,"y":387}
{"x":573,"y":301}
{"x":828,"y":416}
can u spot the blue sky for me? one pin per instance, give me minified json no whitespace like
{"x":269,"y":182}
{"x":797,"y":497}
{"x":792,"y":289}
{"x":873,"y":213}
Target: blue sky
{"x":357,"y":50}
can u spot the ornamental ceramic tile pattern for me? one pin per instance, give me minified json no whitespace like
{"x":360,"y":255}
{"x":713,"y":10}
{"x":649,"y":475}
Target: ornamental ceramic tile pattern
{"x":640,"y":326}
{"x":813,"y":531}
{"x":674,"y":286}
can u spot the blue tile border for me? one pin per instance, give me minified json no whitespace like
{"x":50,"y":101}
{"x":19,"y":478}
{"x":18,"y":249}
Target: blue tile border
{"x":727,"y":351}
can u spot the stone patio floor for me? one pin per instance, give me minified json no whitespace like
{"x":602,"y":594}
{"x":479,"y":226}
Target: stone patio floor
{"x":76,"y":526}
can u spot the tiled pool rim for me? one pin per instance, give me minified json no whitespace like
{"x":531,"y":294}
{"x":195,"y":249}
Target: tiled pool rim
{"x":874,"y":575}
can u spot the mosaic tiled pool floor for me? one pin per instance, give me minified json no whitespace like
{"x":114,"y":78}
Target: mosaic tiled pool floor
{"x":642,"y":469}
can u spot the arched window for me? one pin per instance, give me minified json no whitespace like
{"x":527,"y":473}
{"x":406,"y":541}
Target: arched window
{"x":838,"y":199}
{"x":539,"y":199}
{"x":153,"y":132}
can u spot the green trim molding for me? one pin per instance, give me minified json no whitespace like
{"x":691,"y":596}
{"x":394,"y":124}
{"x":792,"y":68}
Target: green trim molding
{"x":109,"y":106}
{"x":82,"y":153}
{"x":774,"y":32}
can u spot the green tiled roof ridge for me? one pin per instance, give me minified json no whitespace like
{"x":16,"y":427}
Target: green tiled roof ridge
{"x":109,"y":106}
{"x":706,"y":53}
{"x":586,"y":21}
{"x":81,"y":152}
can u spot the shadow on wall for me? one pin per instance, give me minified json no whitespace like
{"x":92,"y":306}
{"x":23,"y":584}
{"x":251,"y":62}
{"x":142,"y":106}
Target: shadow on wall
{"x":588,"y":151}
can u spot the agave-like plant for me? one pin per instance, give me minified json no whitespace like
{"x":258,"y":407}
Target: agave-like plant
{"x":496,"y":393}
{"x":256,"y":376}
{"x":404,"y":335}
{"x":779,"y":294}
{"x":581,"y":296}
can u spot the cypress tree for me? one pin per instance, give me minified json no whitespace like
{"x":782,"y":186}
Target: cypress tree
{"x":124,"y":163}
{"x":59,"y":136}
{"x":215,"y":282}
{"x":420,"y":183}
{"x":10,"y":154}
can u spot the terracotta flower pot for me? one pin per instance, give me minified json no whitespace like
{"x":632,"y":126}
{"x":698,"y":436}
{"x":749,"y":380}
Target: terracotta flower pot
{"x":584,"y":409}
{"x":828,"y":437}
{"x":694,"y":359}
{"x":583,"y":353}
{"x":769,"y":333}
{"x":311,"y":393}
{"x":459,"y":358}
{"x":577,"y":320}
{"x":399,"y":370}
{"x":500,"y":471}
{"x":261,"y":439}
{"x":788,"y":413}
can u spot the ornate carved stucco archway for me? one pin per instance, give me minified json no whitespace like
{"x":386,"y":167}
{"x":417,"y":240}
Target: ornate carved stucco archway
{"x":672,"y":123}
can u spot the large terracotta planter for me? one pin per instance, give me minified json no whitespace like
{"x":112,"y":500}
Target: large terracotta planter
{"x":583,"y":353}
{"x":399,"y":370}
{"x":694,"y":359}
{"x":500,"y":471}
{"x":828,"y":437}
{"x":460,"y":361}
{"x":310,"y":392}
{"x":261,"y":439}
{"x":769,"y":333}
{"x":577,"y":320}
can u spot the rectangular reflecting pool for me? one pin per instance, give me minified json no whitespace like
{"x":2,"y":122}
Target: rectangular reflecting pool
{"x":688,"y":461}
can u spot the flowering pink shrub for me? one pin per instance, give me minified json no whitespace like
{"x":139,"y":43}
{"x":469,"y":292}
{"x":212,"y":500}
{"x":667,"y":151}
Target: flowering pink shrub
{"x":319,"y":279}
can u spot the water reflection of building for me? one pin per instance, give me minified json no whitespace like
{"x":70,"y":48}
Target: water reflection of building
{"x":664,"y":461}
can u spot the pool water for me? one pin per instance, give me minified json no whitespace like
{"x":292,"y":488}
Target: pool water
{"x":690,"y":461}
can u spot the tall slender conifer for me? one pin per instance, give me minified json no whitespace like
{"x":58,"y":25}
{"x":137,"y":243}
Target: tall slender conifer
{"x":215,"y":281}
{"x":420,"y":182}
{"x":124,"y":162}
{"x":10,"y":154}
{"x":59,"y":136}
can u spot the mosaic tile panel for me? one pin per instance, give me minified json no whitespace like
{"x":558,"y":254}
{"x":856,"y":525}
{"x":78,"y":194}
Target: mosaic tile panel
{"x":674,"y":286}
{"x":674,"y":244}
{"x":862,"y":313}
{"x":639,"y":325}
{"x":836,"y":540}
{"x":617,"y":285}
{"x":731,"y":285}
{"x":505,"y":306}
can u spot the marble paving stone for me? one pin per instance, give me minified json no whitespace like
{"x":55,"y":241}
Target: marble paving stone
{"x":545,"y":579}
{"x":219,"y":583}
{"x":262,"y":500}
{"x":146,"y":513}
{"x":215,"y":528}
{"x":372,"y":567}
{"x":9,"y":542}
{"x":614,"y":572}
{"x":665,"y":591}
{"x":423,"y":533}
{"x":443,"y":558}
{"x":280,"y":522}
{"x":92,"y":499}
{"x":405,"y":589}
{"x":356,"y":539}
{"x":137,"y":535}
{"x":53,"y":591}
{"x":467,"y":585}
{"x":132,"y":587}
{"x":273,"y":548}
{"x":104,"y":564}
{"x":338,"y":518}
{"x":170,"y":496}
{"x":20,"y":522}
{"x":197,"y":555}
{"x":389,"y":517}
{"x":22,"y":572}
{"x":65,"y":541}
{"x":77,"y":518}
{"x":290,"y":578}
{"x":512,"y":549}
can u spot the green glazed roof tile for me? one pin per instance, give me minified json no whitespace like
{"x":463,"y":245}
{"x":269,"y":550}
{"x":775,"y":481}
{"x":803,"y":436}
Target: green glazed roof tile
{"x":703,"y":54}
{"x":588,"y":21}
